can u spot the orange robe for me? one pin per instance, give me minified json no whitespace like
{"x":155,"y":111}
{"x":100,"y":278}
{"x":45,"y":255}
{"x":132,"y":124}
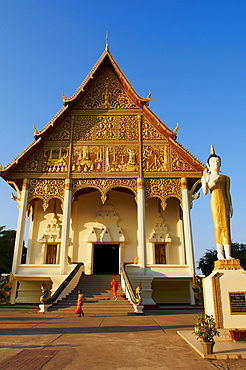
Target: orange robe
{"x":115,"y":287}
{"x":79,"y":310}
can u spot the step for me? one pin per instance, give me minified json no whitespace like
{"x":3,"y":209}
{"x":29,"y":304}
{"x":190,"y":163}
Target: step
{"x":98,"y":297}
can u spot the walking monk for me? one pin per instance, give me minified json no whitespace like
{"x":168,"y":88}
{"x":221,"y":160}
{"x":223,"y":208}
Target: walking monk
{"x":115,"y":287}
{"x":80,"y":299}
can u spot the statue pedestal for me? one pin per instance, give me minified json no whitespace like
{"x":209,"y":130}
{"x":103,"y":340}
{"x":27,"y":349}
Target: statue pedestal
{"x":225,"y":294}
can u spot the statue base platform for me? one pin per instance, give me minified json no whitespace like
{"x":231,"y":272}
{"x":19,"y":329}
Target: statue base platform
{"x":225,"y":294}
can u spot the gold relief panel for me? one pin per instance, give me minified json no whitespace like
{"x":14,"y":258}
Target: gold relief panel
{"x":128,"y":127}
{"x":33,"y":164}
{"x":104,"y":185}
{"x":107,"y":92}
{"x":149,"y":132}
{"x":156,"y":158}
{"x":163,"y":189}
{"x":83,"y":128}
{"x":96,"y":158}
{"x":121,"y":159}
{"x":106,"y":128}
{"x":62,"y":132}
{"x":55,"y":159}
{"x":46,"y":190}
{"x":178,"y":163}
{"x":87,"y":158}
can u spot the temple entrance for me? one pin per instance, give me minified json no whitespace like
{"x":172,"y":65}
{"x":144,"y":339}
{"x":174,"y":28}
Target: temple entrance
{"x":106,"y":259}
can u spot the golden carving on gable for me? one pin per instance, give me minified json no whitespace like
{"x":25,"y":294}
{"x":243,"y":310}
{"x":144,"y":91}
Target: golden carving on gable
{"x":178,"y":163}
{"x":96,"y":158}
{"x":163,"y":189}
{"x":55,"y":159}
{"x":87,"y":158}
{"x":107,"y":92}
{"x":46,"y":190}
{"x":62,"y":132}
{"x":104,"y":127}
{"x":104,"y":185}
{"x":156,"y":158}
{"x":128,"y":127}
{"x":121,"y":159}
{"x":149,"y":132}
{"x":32,"y":164}
{"x":83,"y":128}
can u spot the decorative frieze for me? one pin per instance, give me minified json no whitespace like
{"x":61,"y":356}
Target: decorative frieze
{"x":156,"y":158}
{"x":104,"y":185}
{"x":62,"y":132}
{"x":105,"y":128}
{"x":149,"y":132}
{"x":95,"y":158}
{"x":87,"y":158}
{"x":163,"y":189}
{"x":84,"y":127}
{"x":179,"y":163}
{"x":46,"y":190}
{"x":121,"y":159}
{"x":127,"y":127}
{"x":55,"y":159}
{"x":33,"y":164}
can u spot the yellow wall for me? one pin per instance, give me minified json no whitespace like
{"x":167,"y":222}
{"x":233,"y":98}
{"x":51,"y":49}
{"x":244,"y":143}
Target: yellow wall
{"x":171,"y":215}
{"x":83,"y":218}
{"x":84,"y":212}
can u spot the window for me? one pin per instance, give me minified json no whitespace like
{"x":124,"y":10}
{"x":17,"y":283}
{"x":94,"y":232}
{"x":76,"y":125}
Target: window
{"x":160,"y":254}
{"x":51,"y":254}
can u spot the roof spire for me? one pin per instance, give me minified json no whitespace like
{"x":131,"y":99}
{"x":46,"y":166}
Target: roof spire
{"x":106,"y":47}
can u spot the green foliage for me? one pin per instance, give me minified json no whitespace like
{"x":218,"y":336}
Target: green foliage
{"x":206,"y":263}
{"x":205,"y":328}
{"x":7,"y":241}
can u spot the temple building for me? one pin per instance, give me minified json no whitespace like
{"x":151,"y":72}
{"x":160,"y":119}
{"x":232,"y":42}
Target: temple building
{"x":105,"y":183}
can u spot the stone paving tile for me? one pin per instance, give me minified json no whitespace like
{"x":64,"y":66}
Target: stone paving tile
{"x":28,"y":360}
{"x":106,"y":343}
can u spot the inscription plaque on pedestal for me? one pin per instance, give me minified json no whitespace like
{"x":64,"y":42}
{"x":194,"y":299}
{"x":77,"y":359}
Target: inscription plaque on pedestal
{"x":237,"y":303}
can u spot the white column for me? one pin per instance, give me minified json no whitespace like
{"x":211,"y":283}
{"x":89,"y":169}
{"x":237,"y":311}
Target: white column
{"x":187,"y":226}
{"x":141,"y":226}
{"x":65,"y":226}
{"x":20,"y":227}
{"x":30,"y":235}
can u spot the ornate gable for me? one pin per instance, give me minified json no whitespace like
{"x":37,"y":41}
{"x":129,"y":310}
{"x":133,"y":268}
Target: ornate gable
{"x":97,"y":131}
{"x":106,"y":93}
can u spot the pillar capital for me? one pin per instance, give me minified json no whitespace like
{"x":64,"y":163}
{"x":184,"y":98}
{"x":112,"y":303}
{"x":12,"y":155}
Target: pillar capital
{"x":140,"y":183}
{"x":26,"y":184}
{"x":184,"y":183}
{"x":68,"y":184}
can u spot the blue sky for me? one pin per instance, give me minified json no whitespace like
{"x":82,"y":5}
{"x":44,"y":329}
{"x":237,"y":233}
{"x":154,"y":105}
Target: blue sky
{"x":190,"y":53}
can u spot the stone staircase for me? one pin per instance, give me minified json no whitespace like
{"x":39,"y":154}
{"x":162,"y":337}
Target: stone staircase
{"x":98,"y":300}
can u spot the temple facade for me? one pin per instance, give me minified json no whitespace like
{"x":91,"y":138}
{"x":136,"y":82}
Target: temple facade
{"x":105,"y":183}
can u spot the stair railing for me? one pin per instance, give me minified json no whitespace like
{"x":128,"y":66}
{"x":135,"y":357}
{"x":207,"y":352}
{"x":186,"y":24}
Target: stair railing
{"x":134,"y":299}
{"x":64,"y":289}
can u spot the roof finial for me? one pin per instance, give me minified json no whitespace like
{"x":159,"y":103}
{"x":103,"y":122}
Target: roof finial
{"x":106,"y":47}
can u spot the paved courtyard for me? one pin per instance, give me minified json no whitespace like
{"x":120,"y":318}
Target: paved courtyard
{"x":58,"y":340}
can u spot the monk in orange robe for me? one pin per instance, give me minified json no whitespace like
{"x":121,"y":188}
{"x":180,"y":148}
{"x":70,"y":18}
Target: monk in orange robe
{"x":115,"y":287}
{"x":80,"y":299}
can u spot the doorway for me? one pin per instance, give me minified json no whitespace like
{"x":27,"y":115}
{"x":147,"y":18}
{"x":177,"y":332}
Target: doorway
{"x":106,"y":259}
